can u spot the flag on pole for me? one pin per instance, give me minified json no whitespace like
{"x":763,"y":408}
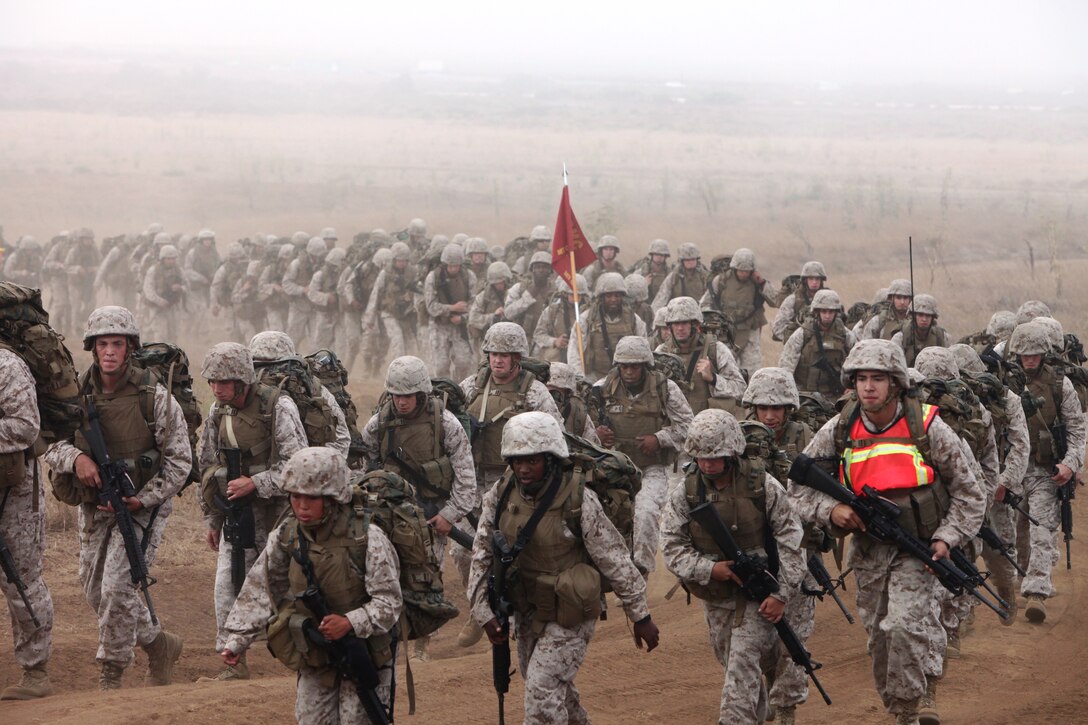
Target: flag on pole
{"x":571,"y":250}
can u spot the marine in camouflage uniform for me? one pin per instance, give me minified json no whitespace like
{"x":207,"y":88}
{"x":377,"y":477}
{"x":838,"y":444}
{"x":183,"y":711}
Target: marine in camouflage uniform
{"x":326,"y":300}
{"x":541,"y":239}
{"x":563,"y":386}
{"x":752,"y":504}
{"x":53,"y":271}
{"x":24,"y":265}
{"x":245,"y":301}
{"x":551,"y":338}
{"x":270,"y":289}
{"x":607,"y":318}
{"x":638,"y":292}
{"x":165,"y":294}
{"x":22,"y":524}
{"x":921,"y":330}
{"x":350,"y":325}
{"x":140,"y":263}
{"x":201,"y":261}
{"x":687,"y":279}
{"x":375,"y":343}
{"x":794,"y":310}
{"x":390,"y":305}
{"x":608,"y":252}
{"x":654,"y":266}
{"x":143,"y":425}
{"x":81,"y":266}
{"x":447,"y":292}
{"x":296,"y":285}
{"x":529,"y":296}
{"x":892,"y":315}
{"x":740,"y":293}
{"x":114,"y":279}
{"x":477,"y":260}
{"x":552,"y":639}
{"x":489,"y":304}
{"x":647,"y":418}
{"x":223,"y":281}
{"x":896,"y":594}
{"x":816,"y":350}
{"x":365,"y":603}
{"x":263,"y":425}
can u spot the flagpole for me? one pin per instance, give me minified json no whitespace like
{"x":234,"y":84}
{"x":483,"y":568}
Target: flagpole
{"x":574,"y":288}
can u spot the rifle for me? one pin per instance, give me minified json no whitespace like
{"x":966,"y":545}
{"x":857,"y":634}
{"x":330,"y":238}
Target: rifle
{"x":879,"y":515}
{"x":992,"y":540}
{"x":349,"y":655}
{"x":116,"y":486}
{"x":430,"y":508}
{"x":960,"y":559}
{"x":758,"y":583}
{"x":596,"y":396}
{"x":827,"y":584}
{"x":1066,"y":492}
{"x":239,"y":527}
{"x":11,"y":571}
{"x":1013,"y":501}
{"x":502,"y":608}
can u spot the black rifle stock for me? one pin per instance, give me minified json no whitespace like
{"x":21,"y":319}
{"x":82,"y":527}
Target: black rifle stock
{"x":991,"y":539}
{"x":827,"y":584}
{"x":502,"y":609}
{"x":879,"y":516}
{"x":239,"y":527}
{"x":1066,"y":492}
{"x":11,"y":571}
{"x":978,"y":578}
{"x":758,"y":583}
{"x":116,"y":486}
{"x":1014,"y":502}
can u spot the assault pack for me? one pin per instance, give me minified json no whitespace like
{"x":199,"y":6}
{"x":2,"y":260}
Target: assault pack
{"x":292,"y":375}
{"x":613,"y":477}
{"x":171,"y":366}
{"x":959,"y":408}
{"x":331,"y":373}
{"x":815,"y":410}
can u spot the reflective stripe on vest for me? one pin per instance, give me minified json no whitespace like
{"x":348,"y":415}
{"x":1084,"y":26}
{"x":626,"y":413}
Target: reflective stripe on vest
{"x":887,"y":461}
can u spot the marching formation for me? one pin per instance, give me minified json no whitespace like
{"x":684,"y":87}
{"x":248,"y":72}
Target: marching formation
{"x":553,"y":439}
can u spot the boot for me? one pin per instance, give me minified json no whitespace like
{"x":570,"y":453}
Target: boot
{"x":908,"y":713}
{"x":162,"y":654}
{"x":1008,"y":593}
{"x":952,"y":651}
{"x":1036,"y":609}
{"x":419,"y":649}
{"x":927,"y":710}
{"x":239,"y":671}
{"x":34,"y":684}
{"x":470,"y":634}
{"x":785,"y":715}
{"x":110,"y":679}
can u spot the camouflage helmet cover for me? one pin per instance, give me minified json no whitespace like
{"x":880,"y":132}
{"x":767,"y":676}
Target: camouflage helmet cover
{"x":540,"y":233}
{"x":228,"y":361}
{"x":772,"y":386}
{"x":937,"y":362}
{"x":879,"y":355}
{"x":1055,"y":333}
{"x":417,"y":226}
{"x":476,"y":245}
{"x":168,"y":251}
{"x":743,"y":260}
{"x":683,"y":309}
{"x":458,"y":238}
{"x":1029,"y":338}
{"x":407,"y":375}
{"x":659,"y":246}
{"x":826,"y":299}
{"x":382,"y":257}
{"x":610,"y":282}
{"x":637,"y":287}
{"x":633,"y":350}
{"x":329,"y":234}
{"x":609,"y":240}
{"x":271,"y":345}
{"x":453,"y":254}
{"x":899,"y":288}
{"x":29,"y":243}
{"x":286,"y":252}
{"x":1001,"y":324}
{"x":688,"y":251}
{"x":528,"y":434}
{"x":813,"y":269}
{"x":235,"y":251}
{"x":1030,"y":310}
{"x":924,"y":305}
{"x":317,"y":471}
{"x":506,"y":337}
{"x":316,"y":247}
{"x":205,"y":234}
{"x":660,"y":317}
{"x":162,"y":238}
{"x":111,"y":320}
{"x":541,"y":258}
{"x":967,"y":359}
{"x":563,"y":288}
{"x":561,"y":376}
{"x":300,"y":239}
{"x":336,"y":257}
{"x":714,"y":433}
{"x":499,"y":272}
{"x":400,"y":250}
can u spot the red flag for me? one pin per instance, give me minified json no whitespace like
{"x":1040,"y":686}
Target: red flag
{"x":569,"y":238}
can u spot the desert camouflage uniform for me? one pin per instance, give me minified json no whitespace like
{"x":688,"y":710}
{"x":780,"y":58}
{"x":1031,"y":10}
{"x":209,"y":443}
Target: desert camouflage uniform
{"x":270,"y":293}
{"x":200,"y":265}
{"x":60,"y":308}
{"x":249,"y":313}
{"x":795,"y":347}
{"x":81,"y":265}
{"x":785,"y":320}
{"x":585,"y":322}
{"x":525,"y":302}
{"x":114,"y":279}
{"x":163,"y":305}
{"x":326,"y":303}
{"x":24,"y":265}
{"x":350,"y":327}
{"x":556,"y":320}
{"x":449,"y":347}
{"x":230,"y":272}
{"x":296,"y":281}
{"x":728,"y":382}
{"x":681,"y":282}
{"x":397,"y":327}
{"x":22,"y":521}
{"x":750,"y":324}
{"x":481,"y":314}
{"x":1013,"y":470}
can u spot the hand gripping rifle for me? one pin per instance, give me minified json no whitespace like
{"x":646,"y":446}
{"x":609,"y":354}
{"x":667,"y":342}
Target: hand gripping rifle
{"x":116,"y":486}
{"x":11,"y":571}
{"x":502,"y":609}
{"x":349,"y":655}
{"x":827,"y":584}
{"x":879,"y":515}
{"x":239,"y":527}
{"x":1066,"y":492}
{"x":430,"y":508}
{"x":758,"y":583}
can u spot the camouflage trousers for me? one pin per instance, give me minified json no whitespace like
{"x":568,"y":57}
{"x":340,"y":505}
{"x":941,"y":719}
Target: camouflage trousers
{"x":324,"y":327}
{"x":247,"y":328}
{"x":23,"y":526}
{"x":897,"y":606}
{"x":123,"y":619}
{"x":81,"y":297}
{"x":933,"y":665}
{"x":349,"y":334}
{"x":750,"y":357}
{"x":1001,"y":520}
{"x":299,"y":321}
{"x":162,"y":324}
{"x":787,"y":681}
{"x":649,"y":504}
{"x":549,"y":663}
{"x":265,"y":514}
{"x":462,"y":557}
{"x":316,"y":704}
{"x":276,"y":318}
{"x":450,"y":353}
{"x":740,"y":640}
{"x":60,"y":311}
{"x":398,"y":338}
{"x":1041,"y":494}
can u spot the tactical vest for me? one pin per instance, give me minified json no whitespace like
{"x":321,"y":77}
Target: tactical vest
{"x":912,"y":344}
{"x":418,"y":441}
{"x":127,"y":417}
{"x":639,"y":415}
{"x":165,"y":280}
{"x":808,"y":374}
{"x":393,"y":300}
{"x":889,"y":323}
{"x":492,"y":405}
{"x":554,"y":578}
{"x":252,"y":430}
{"x":574,"y":415}
{"x":599,"y":358}
{"x":1047,"y":387}
{"x":742,"y":507}
{"x":205,"y":262}
{"x":697,"y":390}
{"x":802,"y":312}
{"x":653,"y":279}
{"x":557,"y":320}
{"x":693,"y":285}
{"x":532,"y":312}
{"x":451,"y":290}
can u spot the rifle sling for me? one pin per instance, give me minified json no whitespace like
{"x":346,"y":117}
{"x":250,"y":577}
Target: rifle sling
{"x":526,"y":533}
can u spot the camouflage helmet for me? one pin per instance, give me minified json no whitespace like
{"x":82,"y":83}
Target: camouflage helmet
{"x":506,"y":337}
{"x":417,"y":226}
{"x":316,"y":247}
{"x":271,"y":345}
{"x":235,"y":251}
{"x":924,"y":305}
{"x":498,"y":251}
{"x":881,"y":296}
{"x":826,"y":299}
{"x":563,"y":288}
{"x":683,"y":309}
{"x":400,"y":250}
{"x":476,"y":245}
{"x":162,"y":238}
{"x":541,"y":258}
{"x":637,"y":287}
{"x":1029,"y":338}
{"x":743,"y":260}
{"x":660,"y":316}
{"x":879,"y":355}
{"x":29,"y":244}
{"x":458,"y":238}
{"x":688,"y":251}
{"x":659,"y":246}
{"x":253,"y":269}
{"x":1055,"y":333}
{"x":608,"y":283}
{"x":205,"y":234}
{"x":286,"y":252}
{"x":228,"y":361}
{"x":300,"y":239}
{"x":407,"y":375}
{"x":540,"y":233}
{"x":336,"y":257}
{"x":111,"y":320}
{"x":967,"y":359}
{"x":915,"y":376}
{"x":772,"y":386}
{"x":633,"y":350}
{"x":499,"y":272}
{"x":609,"y":240}
{"x":1001,"y":324}
{"x":528,"y":434}
{"x":153,"y":229}
{"x":562,"y":376}
{"x":937,"y":362}
{"x":453,"y":254}
{"x":1030,"y":310}
{"x":813,"y":269}
{"x":317,"y":471}
{"x":379,"y":235}
{"x":329,"y":234}
{"x":382,"y":257}
{"x":168,"y":251}
{"x":714,"y":433}
{"x":899,"y":288}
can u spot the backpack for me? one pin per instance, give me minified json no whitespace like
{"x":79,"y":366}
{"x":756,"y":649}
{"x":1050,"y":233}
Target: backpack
{"x":791,"y":283}
{"x":858,"y":311}
{"x":331,"y":373}
{"x":815,"y":410}
{"x":292,"y":375}
{"x":25,"y":330}
{"x":959,"y":408}
{"x":170,"y":365}
{"x":390,"y":502}
{"x":613,"y":477}
{"x":673,"y":367}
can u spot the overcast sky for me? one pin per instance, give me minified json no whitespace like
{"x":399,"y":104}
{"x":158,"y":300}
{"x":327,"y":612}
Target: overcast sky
{"x":997,"y":42}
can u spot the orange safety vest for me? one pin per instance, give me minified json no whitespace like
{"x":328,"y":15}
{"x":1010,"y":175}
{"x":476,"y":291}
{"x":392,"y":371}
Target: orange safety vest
{"x":886,"y":461}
